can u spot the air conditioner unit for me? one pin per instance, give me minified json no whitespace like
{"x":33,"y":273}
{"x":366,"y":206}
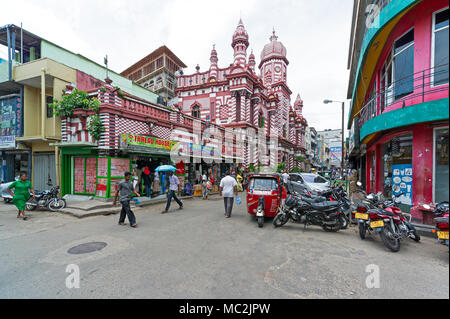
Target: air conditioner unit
{"x":162,"y":100}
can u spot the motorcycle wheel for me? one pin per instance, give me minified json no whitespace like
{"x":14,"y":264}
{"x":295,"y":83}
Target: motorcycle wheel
{"x":7,"y":200}
{"x":362,"y":230}
{"x":56,"y":204}
{"x":260,"y":221}
{"x":344,"y":222}
{"x":280,"y":220}
{"x":31,"y":207}
{"x":332,"y":228}
{"x":416,"y":236}
{"x":391,"y":243}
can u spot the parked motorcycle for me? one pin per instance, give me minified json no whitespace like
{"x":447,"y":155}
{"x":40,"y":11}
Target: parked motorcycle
{"x":441,"y":221}
{"x":4,"y":191}
{"x":48,"y":199}
{"x":384,"y":217}
{"x":312,"y":210}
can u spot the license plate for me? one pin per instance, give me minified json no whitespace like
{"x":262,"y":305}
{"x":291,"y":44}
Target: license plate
{"x":442,"y":234}
{"x":361,"y":216}
{"x":376,"y":224}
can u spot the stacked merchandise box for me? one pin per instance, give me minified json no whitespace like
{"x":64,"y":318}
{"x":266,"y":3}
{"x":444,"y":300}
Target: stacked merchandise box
{"x":79,"y":175}
{"x":110,"y":172}
{"x":102,"y":177}
{"x":91,"y":175}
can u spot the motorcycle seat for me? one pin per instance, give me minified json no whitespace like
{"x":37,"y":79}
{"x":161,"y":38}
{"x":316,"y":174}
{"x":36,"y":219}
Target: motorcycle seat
{"x":441,"y":220}
{"x":325,"y":205}
{"x":318,"y":199}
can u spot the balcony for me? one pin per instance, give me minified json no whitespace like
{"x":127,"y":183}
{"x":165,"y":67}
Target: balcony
{"x":417,"y":88}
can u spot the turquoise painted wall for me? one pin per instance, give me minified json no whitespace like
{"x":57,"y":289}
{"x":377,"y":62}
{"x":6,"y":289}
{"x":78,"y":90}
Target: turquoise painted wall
{"x":388,"y":13}
{"x":419,"y":113}
{"x":87,"y":66}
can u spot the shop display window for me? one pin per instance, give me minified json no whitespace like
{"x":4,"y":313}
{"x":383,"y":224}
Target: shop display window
{"x":397,"y":168}
{"x":85,"y":175}
{"x":441,"y":175}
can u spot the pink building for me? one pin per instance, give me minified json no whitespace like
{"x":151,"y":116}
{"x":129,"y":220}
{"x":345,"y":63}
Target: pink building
{"x":399,"y":86}
{"x":239,"y":98}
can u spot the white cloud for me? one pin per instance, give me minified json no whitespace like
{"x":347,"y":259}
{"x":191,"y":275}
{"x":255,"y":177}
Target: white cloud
{"x":315,"y":33}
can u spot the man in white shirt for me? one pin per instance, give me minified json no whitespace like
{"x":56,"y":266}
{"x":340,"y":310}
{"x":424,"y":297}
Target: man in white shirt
{"x":204,"y":182}
{"x":228,"y":189}
{"x":285,"y":177}
{"x":173,"y":187}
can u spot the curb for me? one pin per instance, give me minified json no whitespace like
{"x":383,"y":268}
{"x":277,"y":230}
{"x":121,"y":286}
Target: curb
{"x":110,"y":210}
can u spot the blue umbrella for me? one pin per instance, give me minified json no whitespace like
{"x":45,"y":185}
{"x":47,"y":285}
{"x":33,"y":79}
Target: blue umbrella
{"x":165,"y":168}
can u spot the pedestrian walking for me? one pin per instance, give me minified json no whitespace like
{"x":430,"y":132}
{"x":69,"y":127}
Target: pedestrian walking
{"x":147,"y":181}
{"x":21,"y":195}
{"x":239,"y":180}
{"x":156,"y":185}
{"x":204,"y":185}
{"x":228,"y":189}
{"x":125,"y":188}
{"x":174,"y":186}
{"x":285,"y":177}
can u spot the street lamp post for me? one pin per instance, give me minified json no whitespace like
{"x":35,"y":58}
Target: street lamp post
{"x":342,"y":151}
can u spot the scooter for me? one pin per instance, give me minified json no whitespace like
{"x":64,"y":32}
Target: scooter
{"x":4,"y":191}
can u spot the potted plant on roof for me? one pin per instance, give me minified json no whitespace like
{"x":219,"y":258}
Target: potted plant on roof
{"x":79,"y":104}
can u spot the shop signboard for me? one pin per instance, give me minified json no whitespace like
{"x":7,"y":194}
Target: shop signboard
{"x":402,"y":182}
{"x":7,"y":142}
{"x":196,"y":149}
{"x":11,"y":115}
{"x":335,"y":155}
{"x":204,"y":151}
{"x":148,"y":142}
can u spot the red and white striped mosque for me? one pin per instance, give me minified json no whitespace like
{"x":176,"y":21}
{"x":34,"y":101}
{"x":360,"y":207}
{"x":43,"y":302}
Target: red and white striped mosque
{"x":240,"y":97}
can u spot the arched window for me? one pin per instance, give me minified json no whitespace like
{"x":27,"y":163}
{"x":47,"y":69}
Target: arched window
{"x":196,"y":111}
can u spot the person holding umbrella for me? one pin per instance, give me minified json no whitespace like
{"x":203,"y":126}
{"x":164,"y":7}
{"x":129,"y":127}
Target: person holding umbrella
{"x":174,"y":185}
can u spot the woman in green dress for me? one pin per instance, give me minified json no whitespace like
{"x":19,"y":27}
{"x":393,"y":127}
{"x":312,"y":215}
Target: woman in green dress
{"x":21,"y":195}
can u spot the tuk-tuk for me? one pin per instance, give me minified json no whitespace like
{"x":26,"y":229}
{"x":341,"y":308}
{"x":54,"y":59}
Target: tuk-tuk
{"x":264,"y":195}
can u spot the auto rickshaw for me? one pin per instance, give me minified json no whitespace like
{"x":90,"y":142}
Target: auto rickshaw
{"x":264,"y":195}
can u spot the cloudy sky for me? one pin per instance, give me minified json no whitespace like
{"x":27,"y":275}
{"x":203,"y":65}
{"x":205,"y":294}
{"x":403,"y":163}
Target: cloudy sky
{"x":315,"y":33}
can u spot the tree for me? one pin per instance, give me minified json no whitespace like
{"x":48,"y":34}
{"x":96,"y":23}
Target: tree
{"x":281,"y":167}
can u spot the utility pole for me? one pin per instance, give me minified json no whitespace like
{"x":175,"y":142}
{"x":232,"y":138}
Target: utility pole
{"x":342,"y":153}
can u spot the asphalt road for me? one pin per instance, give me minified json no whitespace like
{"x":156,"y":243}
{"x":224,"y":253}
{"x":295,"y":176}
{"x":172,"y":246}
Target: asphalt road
{"x":197,"y":253}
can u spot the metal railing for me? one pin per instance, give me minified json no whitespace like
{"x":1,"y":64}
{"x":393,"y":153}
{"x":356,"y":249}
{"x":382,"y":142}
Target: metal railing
{"x":419,"y":87}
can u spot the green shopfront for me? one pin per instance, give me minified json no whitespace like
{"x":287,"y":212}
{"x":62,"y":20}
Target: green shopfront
{"x":83,"y":172}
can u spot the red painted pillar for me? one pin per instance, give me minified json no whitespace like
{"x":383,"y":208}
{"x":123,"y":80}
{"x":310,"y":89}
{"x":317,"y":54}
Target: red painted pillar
{"x":379,"y":179}
{"x":368,"y":167}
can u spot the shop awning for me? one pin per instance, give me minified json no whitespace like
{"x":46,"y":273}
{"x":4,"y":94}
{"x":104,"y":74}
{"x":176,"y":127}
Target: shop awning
{"x":146,"y":150}
{"x":73,"y":144}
